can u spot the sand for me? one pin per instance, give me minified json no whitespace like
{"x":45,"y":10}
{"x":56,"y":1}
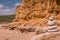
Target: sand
{"x":6,"y":34}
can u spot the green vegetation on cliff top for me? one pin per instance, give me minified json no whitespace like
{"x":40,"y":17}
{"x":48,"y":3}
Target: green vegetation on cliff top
{"x":7,"y":18}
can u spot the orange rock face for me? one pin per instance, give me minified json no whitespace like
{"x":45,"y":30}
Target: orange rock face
{"x":36,"y":12}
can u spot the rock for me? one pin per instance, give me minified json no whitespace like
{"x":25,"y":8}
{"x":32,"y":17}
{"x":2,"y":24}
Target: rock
{"x":26,"y":29}
{"x":40,"y":30}
{"x":47,"y":36}
{"x":31,"y":10}
{"x":52,"y":27}
{"x":35,"y":12}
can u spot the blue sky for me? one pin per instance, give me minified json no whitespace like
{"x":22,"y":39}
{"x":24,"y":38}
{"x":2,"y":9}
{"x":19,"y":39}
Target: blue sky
{"x":7,"y":7}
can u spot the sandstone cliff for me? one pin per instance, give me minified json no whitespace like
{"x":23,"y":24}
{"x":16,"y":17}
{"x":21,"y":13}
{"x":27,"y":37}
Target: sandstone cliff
{"x":36,"y":12}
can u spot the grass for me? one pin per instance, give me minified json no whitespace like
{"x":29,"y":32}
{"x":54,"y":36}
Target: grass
{"x":7,"y":18}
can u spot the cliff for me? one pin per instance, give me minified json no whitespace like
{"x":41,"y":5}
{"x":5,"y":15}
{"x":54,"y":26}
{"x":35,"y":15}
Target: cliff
{"x":36,"y":12}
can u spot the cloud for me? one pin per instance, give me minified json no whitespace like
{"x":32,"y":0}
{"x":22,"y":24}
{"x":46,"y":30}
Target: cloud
{"x":17,"y":4}
{"x":5,"y":10}
{"x":1,"y":6}
{"x":8,"y":11}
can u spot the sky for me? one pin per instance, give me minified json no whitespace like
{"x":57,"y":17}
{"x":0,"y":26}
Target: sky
{"x":7,"y":7}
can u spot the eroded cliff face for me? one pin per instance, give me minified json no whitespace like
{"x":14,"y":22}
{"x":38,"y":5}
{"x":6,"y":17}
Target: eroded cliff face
{"x":36,"y":12}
